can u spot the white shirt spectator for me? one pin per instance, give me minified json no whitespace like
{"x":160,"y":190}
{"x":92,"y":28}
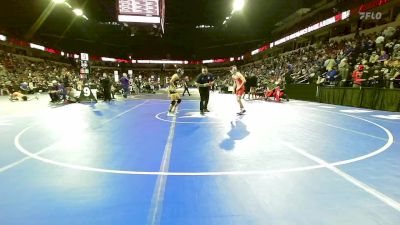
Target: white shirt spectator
{"x":380,"y":40}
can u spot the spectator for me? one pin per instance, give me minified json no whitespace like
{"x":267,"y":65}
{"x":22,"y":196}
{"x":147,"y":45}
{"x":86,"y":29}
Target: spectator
{"x":383,"y":57}
{"x":357,"y":76}
{"x":373,"y":58}
{"x":344,"y":68}
{"x":379,"y":43}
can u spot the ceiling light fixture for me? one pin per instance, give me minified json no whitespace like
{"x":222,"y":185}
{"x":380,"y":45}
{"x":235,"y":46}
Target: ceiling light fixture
{"x":78,"y":12}
{"x":58,"y":1}
{"x":238,"y":5}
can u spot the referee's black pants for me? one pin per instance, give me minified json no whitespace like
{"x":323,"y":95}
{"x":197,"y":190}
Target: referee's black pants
{"x":204,"y":96}
{"x":107,"y":93}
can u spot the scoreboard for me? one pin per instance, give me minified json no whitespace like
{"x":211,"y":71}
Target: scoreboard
{"x":139,"y":7}
{"x":141,"y":11}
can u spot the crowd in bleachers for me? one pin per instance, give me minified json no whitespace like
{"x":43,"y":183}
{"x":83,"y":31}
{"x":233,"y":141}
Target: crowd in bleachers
{"x":28,"y":75}
{"x":367,"y":60}
{"x":18,"y":73}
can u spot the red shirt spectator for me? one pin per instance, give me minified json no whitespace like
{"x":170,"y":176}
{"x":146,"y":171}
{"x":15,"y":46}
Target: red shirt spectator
{"x":357,"y":76}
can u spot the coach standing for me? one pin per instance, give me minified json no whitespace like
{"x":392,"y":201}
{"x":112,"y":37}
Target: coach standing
{"x":124,"y":80}
{"x":204,"y":81}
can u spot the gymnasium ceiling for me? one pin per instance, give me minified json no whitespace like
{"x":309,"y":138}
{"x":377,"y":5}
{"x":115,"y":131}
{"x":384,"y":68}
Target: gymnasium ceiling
{"x":62,"y":30}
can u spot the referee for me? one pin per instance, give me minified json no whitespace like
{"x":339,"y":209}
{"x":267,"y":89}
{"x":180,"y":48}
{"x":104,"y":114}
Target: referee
{"x":204,"y":81}
{"x":106,"y":86}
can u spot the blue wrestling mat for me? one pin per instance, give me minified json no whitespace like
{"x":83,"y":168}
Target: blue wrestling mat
{"x":127,"y":162}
